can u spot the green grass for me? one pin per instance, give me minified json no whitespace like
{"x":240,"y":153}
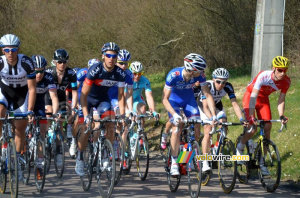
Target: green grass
{"x":287,"y":141}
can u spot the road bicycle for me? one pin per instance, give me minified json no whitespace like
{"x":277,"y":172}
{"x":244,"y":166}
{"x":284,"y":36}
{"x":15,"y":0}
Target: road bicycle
{"x":266,"y":155}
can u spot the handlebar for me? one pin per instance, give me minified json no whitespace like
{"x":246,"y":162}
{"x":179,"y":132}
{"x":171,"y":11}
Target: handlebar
{"x":264,"y":121}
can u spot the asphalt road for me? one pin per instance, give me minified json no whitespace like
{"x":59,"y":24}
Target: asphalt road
{"x":154,"y":186}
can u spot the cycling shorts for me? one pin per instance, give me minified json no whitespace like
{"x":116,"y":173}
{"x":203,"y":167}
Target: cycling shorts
{"x":190,"y":107}
{"x":103,"y":108}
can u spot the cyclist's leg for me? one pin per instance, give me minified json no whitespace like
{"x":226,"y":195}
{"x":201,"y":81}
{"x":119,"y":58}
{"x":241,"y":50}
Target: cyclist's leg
{"x":140,"y":108}
{"x":105,"y":111}
{"x":48,"y":107}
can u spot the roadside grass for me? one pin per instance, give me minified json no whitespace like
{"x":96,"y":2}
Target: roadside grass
{"x":287,"y":141}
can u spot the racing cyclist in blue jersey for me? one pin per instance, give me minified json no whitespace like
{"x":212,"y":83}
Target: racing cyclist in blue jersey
{"x":17,"y":89}
{"x":178,"y":93}
{"x":94,"y":94}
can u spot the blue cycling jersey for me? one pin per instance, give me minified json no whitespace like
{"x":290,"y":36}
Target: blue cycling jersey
{"x":113,"y":91}
{"x":138,"y":87}
{"x":81,"y":74}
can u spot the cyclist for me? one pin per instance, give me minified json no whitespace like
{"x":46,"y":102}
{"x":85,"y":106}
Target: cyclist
{"x":64,"y":77}
{"x":17,"y":88}
{"x":80,"y":74}
{"x":94,"y":93}
{"x":122,"y":62}
{"x":178,"y":93}
{"x":44,"y":82}
{"x":218,"y":87}
{"x":256,"y":99}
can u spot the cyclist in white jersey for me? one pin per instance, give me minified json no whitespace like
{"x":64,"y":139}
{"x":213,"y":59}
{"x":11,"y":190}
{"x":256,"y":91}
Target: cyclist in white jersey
{"x":17,"y":88}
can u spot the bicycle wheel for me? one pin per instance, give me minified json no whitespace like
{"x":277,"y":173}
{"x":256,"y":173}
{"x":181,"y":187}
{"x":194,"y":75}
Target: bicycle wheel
{"x":106,"y":169}
{"x":164,"y":152}
{"x":194,"y":172}
{"x":206,"y":175}
{"x":59,"y":163}
{"x":88,"y":156}
{"x":243,"y":170}
{"x":3,"y":168}
{"x":12,"y":168}
{"x":25,"y":162}
{"x":226,"y":168}
{"x":40,"y":165}
{"x":173,"y":182}
{"x":127,"y":156}
{"x":142,"y":160}
{"x":119,"y":156}
{"x":272,"y":162}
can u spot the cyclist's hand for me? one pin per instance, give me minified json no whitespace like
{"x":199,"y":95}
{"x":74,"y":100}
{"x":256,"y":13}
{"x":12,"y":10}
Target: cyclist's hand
{"x":176,"y":119}
{"x":244,"y":122}
{"x":156,"y":115}
{"x":214,"y":121}
{"x":30,"y":116}
{"x":284,"y":119}
{"x":87,"y":120}
{"x":57,"y":116}
{"x":74,"y":111}
{"x":252,"y":120}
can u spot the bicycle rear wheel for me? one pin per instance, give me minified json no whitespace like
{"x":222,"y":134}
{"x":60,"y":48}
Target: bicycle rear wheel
{"x":226,"y":168}
{"x":12,"y":168}
{"x":3,"y":169}
{"x":106,"y":169}
{"x":86,"y":180}
{"x":243,"y":170}
{"x":173,"y":181}
{"x":119,"y":156}
{"x":127,"y":156}
{"x":272,"y":162}
{"x":207,"y":174}
{"x":142,"y":160}
{"x":59,"y":165}
{"x":40,"y":165}
{"x":194,"y":172}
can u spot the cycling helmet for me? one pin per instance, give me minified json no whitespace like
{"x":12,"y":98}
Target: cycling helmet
{"x":136,"y":67}
{"x":53,"y":63}
{"x":110,"y":46}
{"x":124,"y":55}
{"x":281,"y":62}
{"x":9,"y":40}
{"x":92,"y":62}
{"x":220,"y":73}
{"x":194,"y":62}
{"x":61,"y":55}
{"x":39,"y":61}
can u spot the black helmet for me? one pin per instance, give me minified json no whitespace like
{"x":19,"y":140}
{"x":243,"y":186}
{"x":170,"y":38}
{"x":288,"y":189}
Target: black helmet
{"x":61,"y":55}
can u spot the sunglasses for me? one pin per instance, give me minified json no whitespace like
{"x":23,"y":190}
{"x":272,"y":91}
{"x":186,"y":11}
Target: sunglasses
{"x":123,"y":63}
{"x":282,"y":70}
{"x":61,"y":62}
{"x":7,"y":50}
{"x":221,"y":82}
{"x":137,"y":74}
{"x":111,"y":55}
{"x":39,"y":71}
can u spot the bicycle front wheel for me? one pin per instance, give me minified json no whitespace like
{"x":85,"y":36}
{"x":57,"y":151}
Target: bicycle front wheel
{"x":142,"y":160}
{"x":86,"y":179}
{"x":106,"y":169}
{"x":207,"y":174}
{"x":226,"y":168}
{"x":271,"y":161}
{"x":59,"y":157}
{"x":12,"y":168}
{"x":127,"y":156}
{"x":25,"y":161}
{"x":40,"y":164}
{"x":173,"y":181}
{"x":119,"y":156}
{"x":243,"y":170}
{"x":194,"y":172}
{"x":3,"y":168}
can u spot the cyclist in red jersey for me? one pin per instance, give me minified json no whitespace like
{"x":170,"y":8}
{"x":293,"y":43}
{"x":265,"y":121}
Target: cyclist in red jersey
{"x":256,"y":99}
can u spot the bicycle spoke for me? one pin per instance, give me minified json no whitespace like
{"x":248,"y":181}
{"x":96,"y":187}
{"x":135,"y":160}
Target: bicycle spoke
{"x":40,"y":164}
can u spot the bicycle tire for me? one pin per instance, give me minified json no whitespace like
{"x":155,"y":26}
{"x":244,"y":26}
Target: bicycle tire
{"x":173,"y":182}
{"x":194,"y":174}
{"x":206,"y":175}
{"x":59,"y":169}
{"x":39,"y":167}
{"x":88,"y":156}
{"x":127,"y":155}
{"x":3,"y":173}
{"x":119,"y":158}
{"x":12,"y":168}
{"x":106,"y":175}
{"x":227,"y":170}
{"x":273,"y":163}
{"x":26,"y":162}
{"x":142,"y":160}
{"x":243,"y":170}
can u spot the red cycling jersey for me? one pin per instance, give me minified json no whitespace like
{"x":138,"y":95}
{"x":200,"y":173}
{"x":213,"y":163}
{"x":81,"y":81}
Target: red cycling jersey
{"x":266,"y":85}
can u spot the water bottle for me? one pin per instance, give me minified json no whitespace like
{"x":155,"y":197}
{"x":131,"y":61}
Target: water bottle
{"x":132,"y":143}
{"x":50,"y":134}
{"x":250,"y":145}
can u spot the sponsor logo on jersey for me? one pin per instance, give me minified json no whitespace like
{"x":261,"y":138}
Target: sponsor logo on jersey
{"x":108,"y":83}
{"x":71,"y":71}
{"x":28,"y":62}
{"x":121,"y":72}
{"x":94,"y":71}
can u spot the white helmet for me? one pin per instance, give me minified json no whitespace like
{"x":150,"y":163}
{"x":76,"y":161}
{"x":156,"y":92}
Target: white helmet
{"x":194,"y":62}
{"x":9,"y":40}
{"x":220,"y":73}
{"x":136,"y":67}
{"x":92,"y":62}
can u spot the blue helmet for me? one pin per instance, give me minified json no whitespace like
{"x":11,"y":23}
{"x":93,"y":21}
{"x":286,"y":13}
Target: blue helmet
{"x":39,"y":61}
{"x":110,"y":46}
{"x":124,"y":55}
{"x":93,"y":61}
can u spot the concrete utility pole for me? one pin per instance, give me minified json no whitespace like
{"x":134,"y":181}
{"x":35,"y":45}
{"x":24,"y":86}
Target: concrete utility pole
{"x":268,"y":34}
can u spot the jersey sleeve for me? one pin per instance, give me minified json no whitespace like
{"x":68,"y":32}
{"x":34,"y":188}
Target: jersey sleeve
{"x":147,"y":85}
{"x":203,"y":97}
{"x":287,"y":86}
{"x":72,"y":79}
{"x":259,"y":81}
{"x":229,"y":90}
{"x":171,"y":79}
{"x":27,"y":64}
{"x":128,"y":79}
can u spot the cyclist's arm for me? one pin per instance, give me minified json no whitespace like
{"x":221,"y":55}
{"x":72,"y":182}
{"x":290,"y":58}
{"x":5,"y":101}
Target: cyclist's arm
{"x":210,"y":100}
{"x":281,"y":104}
{"x":150,"y":100}
{"x":83,"y":98}
{"x":31,"y":83}
{"x":129,"y":99}
{"x":74,"y":98}
{"x":55,"y":102}
{"x":236,"y":108}
{"x":165,"y":101}
{"x":252,"y":102}
{"x":206,"y":108}
{"x":121,"y":99}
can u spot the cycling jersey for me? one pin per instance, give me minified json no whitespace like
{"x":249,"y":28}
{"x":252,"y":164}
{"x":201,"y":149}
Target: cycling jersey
{"x":182,"y":94}
{"x":81,"y":74}
{"x":266,"y":85}
{"x":13,"y":84}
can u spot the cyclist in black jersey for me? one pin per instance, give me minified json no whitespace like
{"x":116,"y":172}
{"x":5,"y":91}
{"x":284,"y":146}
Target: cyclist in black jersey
{"x":17,"y":88}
